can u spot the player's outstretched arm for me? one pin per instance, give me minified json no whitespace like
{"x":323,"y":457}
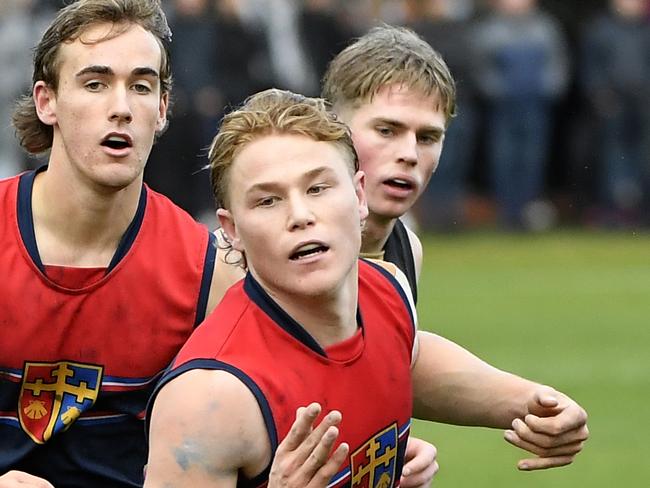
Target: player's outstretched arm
{"x":205,"y":428}
{"x":304,"y":459}
{"x":452,"y":385}
{"x":18,"y":479}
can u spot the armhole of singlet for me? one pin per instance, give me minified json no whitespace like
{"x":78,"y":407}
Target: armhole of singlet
{"x":206,"y":279}
{"x":265,"y":408}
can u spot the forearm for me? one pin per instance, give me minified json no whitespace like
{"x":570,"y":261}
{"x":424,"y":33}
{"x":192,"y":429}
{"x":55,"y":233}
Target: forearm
{"x":451,"y":385}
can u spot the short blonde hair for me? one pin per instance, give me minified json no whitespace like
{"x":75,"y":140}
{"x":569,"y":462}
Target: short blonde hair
{"x":388,"y":55}
{"x":273,"y":112}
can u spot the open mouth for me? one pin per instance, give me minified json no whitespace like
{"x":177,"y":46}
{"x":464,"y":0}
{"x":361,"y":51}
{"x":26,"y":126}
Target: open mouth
{"x":308,"y":250}
{"x":399,"y":183}
{"x":116,"y":142}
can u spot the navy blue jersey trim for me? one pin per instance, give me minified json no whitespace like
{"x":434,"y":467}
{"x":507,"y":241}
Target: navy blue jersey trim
{"x":131,"y":232}
{"x":25,"y":217}
{"x":26,"y":222}
{"x":214,"y":364}
{"x":262,"y":299}
{"x":206,"y":279}
{"x":396,"y":285}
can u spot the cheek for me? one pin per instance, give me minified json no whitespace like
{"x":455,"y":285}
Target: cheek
{"x":430,"y":158}
{"x":366,"y":151}
{"x":254,"y":238}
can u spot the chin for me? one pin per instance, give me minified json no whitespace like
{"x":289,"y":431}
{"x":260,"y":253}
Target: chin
{"x":318,"y":285}
{"x":118,"y":178}
{"x":391,"y":212}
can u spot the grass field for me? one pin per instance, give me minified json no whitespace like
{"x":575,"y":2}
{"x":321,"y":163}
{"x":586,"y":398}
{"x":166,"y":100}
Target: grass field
{"x":568,"y":309}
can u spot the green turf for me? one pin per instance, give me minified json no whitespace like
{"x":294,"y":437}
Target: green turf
{"x":568,"y":309}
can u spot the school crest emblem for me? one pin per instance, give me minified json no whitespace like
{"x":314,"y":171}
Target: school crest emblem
{"x":373,"y":465}
{"x":53,"y":396}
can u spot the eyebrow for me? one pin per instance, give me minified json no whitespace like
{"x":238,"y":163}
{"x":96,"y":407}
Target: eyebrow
{"x":270,"y":186}
{"x":106,"y":70}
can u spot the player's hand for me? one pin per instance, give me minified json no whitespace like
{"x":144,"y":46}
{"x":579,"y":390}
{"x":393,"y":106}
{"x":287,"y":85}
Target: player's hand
{"x":304,"y":459}
{"x":19,"y":479}
{"x":420,"y":464}
{"x":555,"y":429}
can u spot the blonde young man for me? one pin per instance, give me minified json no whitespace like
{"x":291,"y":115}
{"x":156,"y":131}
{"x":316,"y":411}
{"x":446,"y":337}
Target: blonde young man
{"x":398,"y":96}
{"x":310,"y":322}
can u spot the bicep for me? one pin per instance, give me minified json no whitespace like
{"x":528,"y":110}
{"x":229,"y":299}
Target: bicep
{"x":195,"y":440}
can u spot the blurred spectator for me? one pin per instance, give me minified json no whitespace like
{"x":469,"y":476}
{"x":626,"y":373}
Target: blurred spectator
{"x":288,"y":61}
{"x":441,"y":207}
{"x":322,"y":35}
{"x":176,"y":159}
{"x":21,"y":23}
{"x":241,"y":56}
{"x":522,"y":70}
{"x":615,"y":75}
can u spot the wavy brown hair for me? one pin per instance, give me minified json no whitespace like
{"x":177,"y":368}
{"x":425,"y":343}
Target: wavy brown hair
{"x":69,"y":24}
{"x":388,"y":55}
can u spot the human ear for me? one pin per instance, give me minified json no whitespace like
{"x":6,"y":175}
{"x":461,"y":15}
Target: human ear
{"x":45,"y":102}
{"x":162,"y":112}
{"x":230,"y":228}
{"x":359,"y":181}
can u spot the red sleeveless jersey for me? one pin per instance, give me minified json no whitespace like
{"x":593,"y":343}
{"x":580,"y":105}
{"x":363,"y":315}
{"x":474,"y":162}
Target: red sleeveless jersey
{"x":77,"y":364}
{"x":366,"y":377}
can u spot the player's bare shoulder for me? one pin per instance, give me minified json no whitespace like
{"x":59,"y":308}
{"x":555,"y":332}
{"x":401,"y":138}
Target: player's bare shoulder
{"x":211,"y":435}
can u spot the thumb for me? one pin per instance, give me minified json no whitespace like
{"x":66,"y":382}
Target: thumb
{"x":544,"y":400}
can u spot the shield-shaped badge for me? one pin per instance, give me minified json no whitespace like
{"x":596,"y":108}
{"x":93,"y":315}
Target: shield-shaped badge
{"x":53,"y":395}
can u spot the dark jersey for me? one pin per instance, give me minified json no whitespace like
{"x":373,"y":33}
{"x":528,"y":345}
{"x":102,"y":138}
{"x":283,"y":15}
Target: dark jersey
{"x":366,"y":377}
{"x":399,"y":252}
{"x":81,"y":350}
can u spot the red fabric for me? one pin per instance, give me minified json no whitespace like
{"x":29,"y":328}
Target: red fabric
{"x":367,"y":377}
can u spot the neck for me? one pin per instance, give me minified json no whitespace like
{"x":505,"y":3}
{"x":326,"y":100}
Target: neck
{"x":80,"y":225}
{"x":330,"y":318}
{"x":376,"y":232}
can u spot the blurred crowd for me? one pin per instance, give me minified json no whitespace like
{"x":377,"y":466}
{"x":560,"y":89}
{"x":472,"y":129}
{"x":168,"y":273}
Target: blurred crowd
{"x":553,"y":122}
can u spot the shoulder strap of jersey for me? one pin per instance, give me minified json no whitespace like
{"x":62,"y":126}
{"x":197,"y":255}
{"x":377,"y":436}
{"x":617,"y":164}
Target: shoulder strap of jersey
{"x":398,"y":251}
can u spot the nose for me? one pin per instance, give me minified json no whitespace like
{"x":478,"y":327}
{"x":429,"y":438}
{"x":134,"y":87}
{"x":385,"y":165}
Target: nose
{"x":300,"y":215}
{"x":408,"y":149}
{"x":120,"y":108}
